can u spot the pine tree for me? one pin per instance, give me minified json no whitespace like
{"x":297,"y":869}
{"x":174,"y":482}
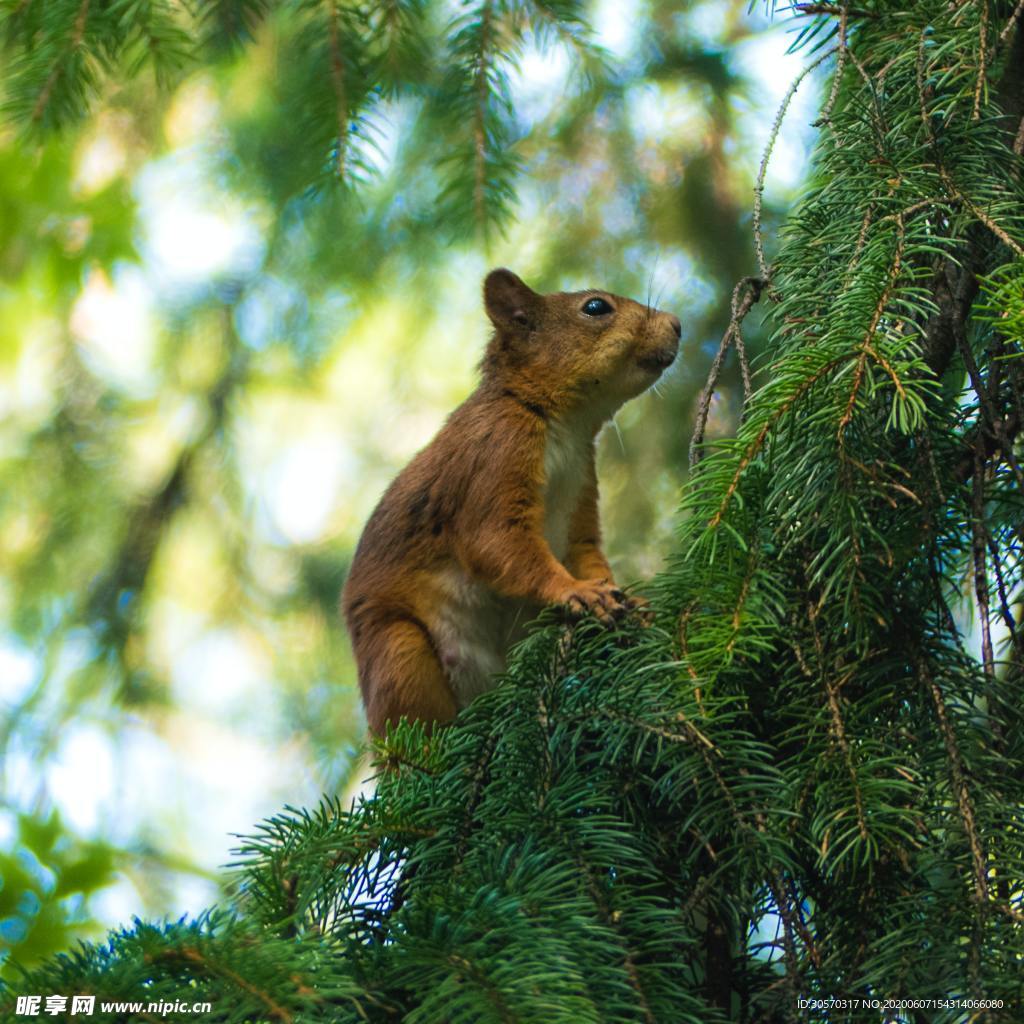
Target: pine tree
{"x":803,"y":782}
{"x":339,"y":61}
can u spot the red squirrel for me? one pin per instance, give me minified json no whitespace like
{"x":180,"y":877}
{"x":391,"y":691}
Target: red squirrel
{"x":498,"y":515}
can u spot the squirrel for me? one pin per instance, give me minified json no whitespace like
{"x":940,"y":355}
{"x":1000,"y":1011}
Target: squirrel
{"x":498,"y":515}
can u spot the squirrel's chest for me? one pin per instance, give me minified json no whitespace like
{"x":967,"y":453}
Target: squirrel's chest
{"x":472,"y":625}
{"x":567,"y":451}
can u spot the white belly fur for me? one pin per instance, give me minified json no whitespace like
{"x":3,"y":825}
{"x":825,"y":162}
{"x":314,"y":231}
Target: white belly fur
{"x":566,"y":453}
{"x":474,"y":627}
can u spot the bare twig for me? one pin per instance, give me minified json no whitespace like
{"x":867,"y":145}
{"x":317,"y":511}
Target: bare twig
{"x":774,"y":134}
{"x":834,"y":10}
{"x":865,"y":224}
{"x":1004,"y":598}
{"x":1011,"y":913}
{"x":1000,"y":439}
{"x":979,"y":85}
{"x":978,"y":557}
{"x":1008,"y":27}
{"x":921,"y":92}
{"x":837,"y":75}
{"x":754,"y":286}
{"x":739,"y":312}
{"x":985,"y":219}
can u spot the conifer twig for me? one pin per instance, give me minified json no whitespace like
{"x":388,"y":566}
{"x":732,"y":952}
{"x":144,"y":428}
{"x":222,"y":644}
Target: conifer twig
{"x":951,"y":189}
{"x":866,"y":347}
{"x":273,"y":1008}
{"x":77,"y":35}
{"x":610,"y":921}
{"x":480,"y":777}
{"x":690,"y":732}
{"x":479,"y":119}
{"x":755,"y":446}
{"x":338,"y":80}
{"x":959,"y":780}
{"x":832,"y":688}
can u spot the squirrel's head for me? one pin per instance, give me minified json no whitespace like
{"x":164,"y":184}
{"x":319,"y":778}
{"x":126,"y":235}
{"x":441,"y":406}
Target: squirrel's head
{"x":588,"y":349}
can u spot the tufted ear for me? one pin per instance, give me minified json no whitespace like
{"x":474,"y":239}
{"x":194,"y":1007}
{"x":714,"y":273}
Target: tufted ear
{"x":510,"y":304}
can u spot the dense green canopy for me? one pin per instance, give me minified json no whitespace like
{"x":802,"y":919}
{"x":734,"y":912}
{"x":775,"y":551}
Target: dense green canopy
{"x":216,"y":349}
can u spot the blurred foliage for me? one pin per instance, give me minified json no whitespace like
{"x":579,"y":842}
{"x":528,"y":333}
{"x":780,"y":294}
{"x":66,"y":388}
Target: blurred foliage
{"x":47,"y":879}
{"x":233,"y":304}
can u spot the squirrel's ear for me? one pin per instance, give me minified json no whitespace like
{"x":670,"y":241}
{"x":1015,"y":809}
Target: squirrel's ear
{"x":509,"y":302}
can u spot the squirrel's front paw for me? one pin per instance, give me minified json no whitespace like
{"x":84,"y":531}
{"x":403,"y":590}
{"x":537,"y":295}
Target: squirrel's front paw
{"x":599,"y":597}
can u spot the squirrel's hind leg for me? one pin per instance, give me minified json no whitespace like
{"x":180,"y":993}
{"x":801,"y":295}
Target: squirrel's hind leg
{"x":400,"y":675}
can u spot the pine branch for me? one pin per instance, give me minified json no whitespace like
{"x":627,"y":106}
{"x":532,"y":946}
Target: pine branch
{"x":338,"y":80}
{"x":59,"y":69}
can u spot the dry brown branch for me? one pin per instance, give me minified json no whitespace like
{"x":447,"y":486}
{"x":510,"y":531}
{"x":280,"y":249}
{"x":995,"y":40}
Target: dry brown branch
{"x":979,"y":85}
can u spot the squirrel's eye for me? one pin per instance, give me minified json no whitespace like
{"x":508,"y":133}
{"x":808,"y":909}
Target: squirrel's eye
{"x":597,"y":307}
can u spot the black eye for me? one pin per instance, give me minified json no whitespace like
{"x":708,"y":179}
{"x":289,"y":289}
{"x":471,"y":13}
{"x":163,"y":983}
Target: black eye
{"x":597,"y":307}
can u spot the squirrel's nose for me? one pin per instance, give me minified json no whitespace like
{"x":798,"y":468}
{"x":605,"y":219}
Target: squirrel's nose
{"x":676,"y":325}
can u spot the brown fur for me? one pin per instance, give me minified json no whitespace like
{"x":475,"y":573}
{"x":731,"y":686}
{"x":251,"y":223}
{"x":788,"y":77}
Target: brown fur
{"x":498,"y":515}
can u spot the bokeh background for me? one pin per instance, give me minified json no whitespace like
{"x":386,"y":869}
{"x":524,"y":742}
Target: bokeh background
{"x":209,"y":372}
